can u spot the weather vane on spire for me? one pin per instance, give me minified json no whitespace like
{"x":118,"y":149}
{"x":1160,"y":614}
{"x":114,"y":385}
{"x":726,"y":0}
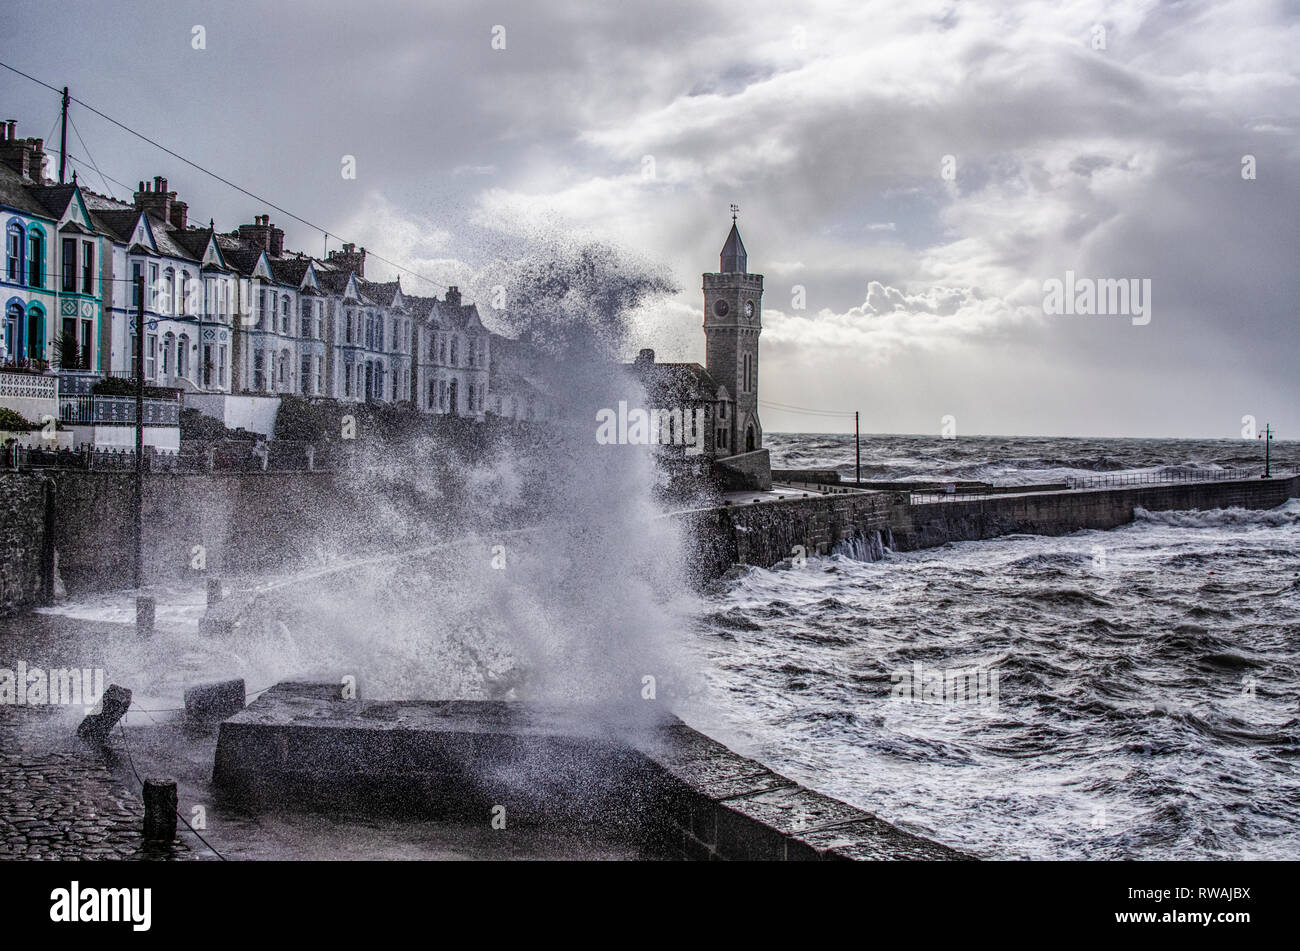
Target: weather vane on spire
{"x":735,"y":210}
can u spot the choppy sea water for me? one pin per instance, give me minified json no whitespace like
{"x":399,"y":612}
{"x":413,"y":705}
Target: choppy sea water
{"x":1019,"y":459}
{"x":1147,"y":688}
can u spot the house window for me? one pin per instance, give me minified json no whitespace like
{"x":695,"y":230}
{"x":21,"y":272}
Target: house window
{"x":87,"y":267}
{"x":35,"y":259}
{"x":305,"y":374}
{"x":168,"y":292}
{"x":87,"y":348}
{"x":284,"y":315}
{"x":207,"y":364}
{"x":183,"y":356}
{"x":454,"y":342}
{"x":259,"y":370}
{"x":15,"y":241}
{"x":168,"y":345}
{"x":320,"y":375}
{"x":183,"y":302}
{"x":70,"y":265}
{"x":151,"y":356}
{"x":221,"y":365}
{"x":135,"y":283}
{"x":13,"y":324}
{"x":153,"y":287}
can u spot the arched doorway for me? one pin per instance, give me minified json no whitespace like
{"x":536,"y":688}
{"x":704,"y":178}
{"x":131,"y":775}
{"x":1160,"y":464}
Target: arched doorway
{"x":749,"y":438}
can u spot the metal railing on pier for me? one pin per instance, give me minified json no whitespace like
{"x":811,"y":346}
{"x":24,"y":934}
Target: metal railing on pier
{"x":1111,"y":480}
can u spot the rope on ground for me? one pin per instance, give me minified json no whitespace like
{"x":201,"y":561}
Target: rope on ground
{"x":126,"y":745}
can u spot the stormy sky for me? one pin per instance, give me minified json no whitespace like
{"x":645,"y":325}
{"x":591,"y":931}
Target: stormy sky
{"x":919,"y":170}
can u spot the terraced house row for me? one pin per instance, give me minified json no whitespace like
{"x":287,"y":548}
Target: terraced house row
{"x":230,"y":318}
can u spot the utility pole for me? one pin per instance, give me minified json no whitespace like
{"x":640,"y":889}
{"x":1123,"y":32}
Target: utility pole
{"x":857,"y":443}
{"x":63,"y":140}
{"x":139,"y":430}
{"x":1267,"y":436}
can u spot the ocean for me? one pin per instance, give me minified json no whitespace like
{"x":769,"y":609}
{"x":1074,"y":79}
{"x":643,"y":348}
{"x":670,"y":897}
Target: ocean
{"x":1145,"y":701}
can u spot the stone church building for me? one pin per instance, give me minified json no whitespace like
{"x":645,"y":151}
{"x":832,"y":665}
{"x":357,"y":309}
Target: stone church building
{"x":725,"y":389}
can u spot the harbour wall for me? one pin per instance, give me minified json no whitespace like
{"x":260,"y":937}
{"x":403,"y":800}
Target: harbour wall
{"x":78,"y":527}
{"x":766,"y":532}
{"x":74,"y":528}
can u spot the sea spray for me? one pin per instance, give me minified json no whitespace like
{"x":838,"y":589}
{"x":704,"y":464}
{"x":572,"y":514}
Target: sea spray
{"x":550,"y":577}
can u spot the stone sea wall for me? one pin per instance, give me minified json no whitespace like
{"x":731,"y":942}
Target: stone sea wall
{"x":764,"y":533}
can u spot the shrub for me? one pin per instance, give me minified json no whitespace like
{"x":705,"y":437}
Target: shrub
{"x":15,"y":422}
{"x":121,"y":386}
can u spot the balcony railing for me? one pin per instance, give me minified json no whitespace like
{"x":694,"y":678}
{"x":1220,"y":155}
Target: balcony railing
{"x":117,"y":411}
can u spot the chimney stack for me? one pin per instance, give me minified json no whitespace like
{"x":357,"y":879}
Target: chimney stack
{"x":262,"y":234}
{"x":157,"y":200}
{"x":453,"y":296}
{"x":180,"y":214}
{"x":24,"y":156}
{"x":349,"y":259}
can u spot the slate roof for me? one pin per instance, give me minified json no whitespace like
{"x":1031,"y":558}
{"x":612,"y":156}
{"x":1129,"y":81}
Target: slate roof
{"x":193,"y":240}
{"x":289,"y":270}
{"x":21,"y":194}
{"x":117,"y":223}
{"x":382,"y":294}
{"x":733,"y":257}
{"x":420,"y":308}
{"x":675,"y":383}
{"x":332,"y":281}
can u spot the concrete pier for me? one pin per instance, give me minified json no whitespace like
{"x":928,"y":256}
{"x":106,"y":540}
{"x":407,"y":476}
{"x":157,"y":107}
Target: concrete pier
{"x":765,"y":533}
{"x":299,"y":746}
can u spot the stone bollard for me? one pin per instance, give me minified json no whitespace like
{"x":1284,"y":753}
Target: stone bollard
{"x":160,"y":803}
{"x":214,"y":591}
{"x":113,"y":706}
{"x":206,"y":704}
{"x":145,"y":609}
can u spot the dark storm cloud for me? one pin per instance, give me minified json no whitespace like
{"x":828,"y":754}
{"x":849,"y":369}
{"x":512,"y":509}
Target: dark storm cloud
{"x":638,"y":124}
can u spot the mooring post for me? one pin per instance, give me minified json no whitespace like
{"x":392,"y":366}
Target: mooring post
{"x":214,"y":591}
{"x":160,"y":803}
{"x":145,"y":609}
{"x":112,"y":706}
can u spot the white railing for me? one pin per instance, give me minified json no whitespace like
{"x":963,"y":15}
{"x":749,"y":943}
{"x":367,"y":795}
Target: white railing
{"x":30,"y":386}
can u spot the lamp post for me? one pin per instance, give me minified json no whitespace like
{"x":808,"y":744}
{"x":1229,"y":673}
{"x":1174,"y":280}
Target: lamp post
{"x":1267,"y":436}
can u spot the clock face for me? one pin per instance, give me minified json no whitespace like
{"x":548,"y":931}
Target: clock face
{"x":749,"y":308}
{"x":720,"y":308}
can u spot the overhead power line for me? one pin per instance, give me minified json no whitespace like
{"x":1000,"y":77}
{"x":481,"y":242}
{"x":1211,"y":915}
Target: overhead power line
{"x":786,"y":408}
{"x":225,"y":181}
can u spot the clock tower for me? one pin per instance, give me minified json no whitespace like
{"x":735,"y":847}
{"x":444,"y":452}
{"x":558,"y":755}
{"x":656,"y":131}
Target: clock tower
{"x":733,"y":302}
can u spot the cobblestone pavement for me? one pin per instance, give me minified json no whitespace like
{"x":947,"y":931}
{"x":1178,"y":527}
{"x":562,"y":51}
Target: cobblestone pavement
{"x":61,"y":799}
